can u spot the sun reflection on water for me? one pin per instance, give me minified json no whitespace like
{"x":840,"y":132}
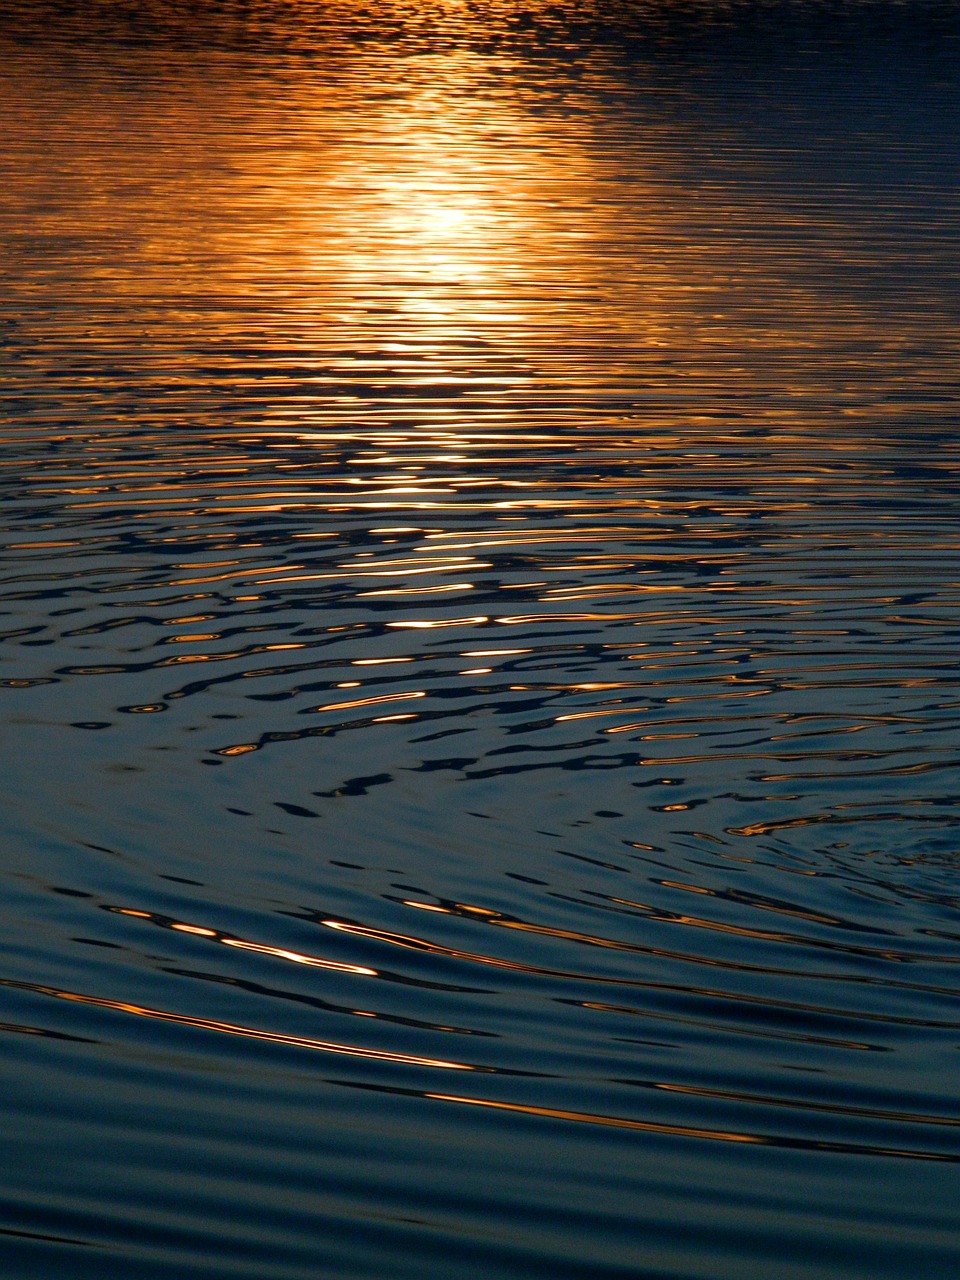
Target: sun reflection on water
{"x":472,"y":480}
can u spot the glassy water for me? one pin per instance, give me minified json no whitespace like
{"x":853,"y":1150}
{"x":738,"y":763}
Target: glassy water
{"x":479,"y":634}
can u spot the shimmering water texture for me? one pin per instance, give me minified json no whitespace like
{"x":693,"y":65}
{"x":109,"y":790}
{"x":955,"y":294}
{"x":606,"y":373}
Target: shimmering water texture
{"x":480,"y":641}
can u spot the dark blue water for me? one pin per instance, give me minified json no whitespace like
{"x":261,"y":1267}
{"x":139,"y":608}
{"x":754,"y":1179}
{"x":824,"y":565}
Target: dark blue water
{"x":480,"y":615}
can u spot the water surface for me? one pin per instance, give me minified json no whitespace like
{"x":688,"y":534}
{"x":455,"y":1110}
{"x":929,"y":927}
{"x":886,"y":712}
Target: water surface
{"x":479,"y":640}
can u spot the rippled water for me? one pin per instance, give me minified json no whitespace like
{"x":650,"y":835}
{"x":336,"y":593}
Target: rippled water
{"x":479,"y":634}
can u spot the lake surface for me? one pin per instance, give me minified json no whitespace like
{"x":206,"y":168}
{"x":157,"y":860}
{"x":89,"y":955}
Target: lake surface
{"x":480,"y":621}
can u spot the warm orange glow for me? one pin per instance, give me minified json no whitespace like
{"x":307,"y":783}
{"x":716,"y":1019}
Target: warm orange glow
{"x":249,"y":1033}
{"x":618,"y":1122}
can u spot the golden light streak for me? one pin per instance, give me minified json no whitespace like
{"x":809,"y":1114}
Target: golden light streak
{"x":249,"y":1033}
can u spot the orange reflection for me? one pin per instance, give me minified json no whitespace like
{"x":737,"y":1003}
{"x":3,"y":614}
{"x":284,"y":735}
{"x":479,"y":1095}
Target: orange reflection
{"x":227,"y":940}
{"x":695,"y":1131}
{"x":617,"y":1122}
{"x":249,"y":1033}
